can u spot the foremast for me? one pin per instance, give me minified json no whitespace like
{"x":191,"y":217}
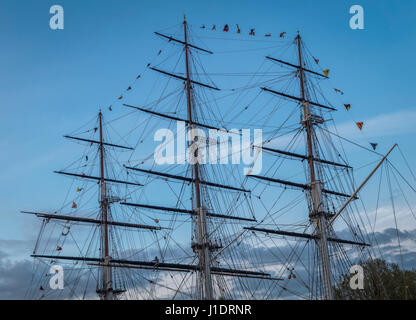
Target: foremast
{"x":106,"y":292}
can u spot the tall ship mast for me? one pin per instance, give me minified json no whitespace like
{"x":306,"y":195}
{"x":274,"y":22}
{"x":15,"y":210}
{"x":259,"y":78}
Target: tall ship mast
{"x":179,"y":222}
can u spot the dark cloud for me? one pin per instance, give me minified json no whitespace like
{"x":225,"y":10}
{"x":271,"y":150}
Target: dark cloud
{"x":17,"y":276}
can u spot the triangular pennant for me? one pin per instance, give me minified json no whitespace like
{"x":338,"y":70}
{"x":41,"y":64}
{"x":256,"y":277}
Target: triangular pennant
{"x":360,"y":125}
{"x":282,"y":35}
{"x":160,"y":51}
{"x":121,"y":97}
{"x":251,"y":32}
{"x":374,"y":145}
{"x":238,"y":29}
{"x":226,"y":28}
{"x":316,"y":60}
{"x":203,"y":26}
{"x":268,"y":35}
{"x":339,"y":91}
{"x":347,"y":106}
{"x":326,"y":72}
{"x":214,"y":27}
{"x":74,"y":205}
{"x":129,"y":88}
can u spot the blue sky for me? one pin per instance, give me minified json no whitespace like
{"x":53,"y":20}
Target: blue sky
{"x":51,"y":82}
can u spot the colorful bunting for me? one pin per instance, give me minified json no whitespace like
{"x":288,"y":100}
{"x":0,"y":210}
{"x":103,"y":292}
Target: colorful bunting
{"x":67,"y":232}
{"x":360,"y":125}
{"x":374,"y":145}
{"x":282,"y":35}
{"x":226,"y":28}
{"x":337,"y":90}
{"x":251,"y":32}
{"x":347,"y":106}
{"x":326,"y":72}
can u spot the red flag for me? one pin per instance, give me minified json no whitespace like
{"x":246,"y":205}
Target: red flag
{"x":238,"y":29}
{"x":74,"y":205}
{"x":268,"y":35}
{"x":58,"y":248}
{"x":316,"y":60}
{"x":251,"y":32}
{"x":360,"y":125}
{"x":226,"y":28}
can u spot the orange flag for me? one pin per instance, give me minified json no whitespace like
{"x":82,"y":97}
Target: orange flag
{"x":360,"y":125}
{"x":326,"y":72}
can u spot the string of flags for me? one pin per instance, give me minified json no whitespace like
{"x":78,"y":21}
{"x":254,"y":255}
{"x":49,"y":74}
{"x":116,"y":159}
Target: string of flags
{"x":252,"y":31}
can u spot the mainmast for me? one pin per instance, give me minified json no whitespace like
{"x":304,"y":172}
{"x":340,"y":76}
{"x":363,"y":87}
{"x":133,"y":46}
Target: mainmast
{"x":203,"y":241}
{"x":317,"y":213}
{"x":106,"y":291}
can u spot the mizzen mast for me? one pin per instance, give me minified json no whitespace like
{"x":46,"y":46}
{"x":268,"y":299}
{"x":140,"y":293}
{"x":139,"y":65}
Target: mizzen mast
{"x":317,"y":212}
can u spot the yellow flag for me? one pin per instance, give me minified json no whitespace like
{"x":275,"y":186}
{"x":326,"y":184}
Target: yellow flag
{"x":326,"y":72}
